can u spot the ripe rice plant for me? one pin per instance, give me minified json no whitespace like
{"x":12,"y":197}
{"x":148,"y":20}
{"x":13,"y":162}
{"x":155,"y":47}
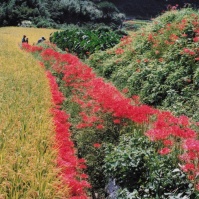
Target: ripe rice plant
{"x":27,"y":154}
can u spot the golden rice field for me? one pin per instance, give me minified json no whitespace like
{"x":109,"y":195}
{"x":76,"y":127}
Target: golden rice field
{"x":27,"y":157}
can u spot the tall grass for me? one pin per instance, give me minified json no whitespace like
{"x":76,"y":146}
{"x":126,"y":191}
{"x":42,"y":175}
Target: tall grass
{"x":27,"y":157}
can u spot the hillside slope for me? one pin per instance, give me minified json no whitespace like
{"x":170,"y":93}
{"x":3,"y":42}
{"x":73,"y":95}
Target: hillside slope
{"x":159,"y":63}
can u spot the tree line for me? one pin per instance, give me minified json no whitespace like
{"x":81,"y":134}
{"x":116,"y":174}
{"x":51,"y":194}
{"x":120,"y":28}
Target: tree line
{"x":54,"y":13}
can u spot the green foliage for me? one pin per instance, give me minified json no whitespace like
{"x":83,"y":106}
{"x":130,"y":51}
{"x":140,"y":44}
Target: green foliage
{"x":142,"y":173}
{"x":83,"y":41}
{"x":49,"y":13}
{"x":125,"y":154}
{"x":85,"y":138}
{"x":132,"y":25}
{"x":107,"y":7}
{"x":110,"y":12}
{"x":45,"y":23}
{"x":155,"y":65}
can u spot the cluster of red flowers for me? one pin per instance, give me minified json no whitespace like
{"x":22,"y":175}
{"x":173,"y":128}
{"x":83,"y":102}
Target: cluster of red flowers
{"x":96,"y":97}
{"x":188,"y":51}
{"x":70,"y":166}
{"x":125,"y":40}
{"x":171,"y":38}
{"x":119,"y":51}
{"x":30,"y":48}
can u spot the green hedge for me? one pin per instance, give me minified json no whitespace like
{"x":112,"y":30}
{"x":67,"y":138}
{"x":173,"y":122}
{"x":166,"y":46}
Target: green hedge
{"x":142,"y":173}
{"x":84,"y":42}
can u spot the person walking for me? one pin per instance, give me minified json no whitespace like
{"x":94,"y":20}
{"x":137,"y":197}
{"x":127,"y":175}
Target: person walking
{"x":41,"y":40}
{"x":24,"y":39}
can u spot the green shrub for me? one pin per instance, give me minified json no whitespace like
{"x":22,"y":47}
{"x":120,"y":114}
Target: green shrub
{"x":133,"y":25}
{"x":142,"y":173}
{"x":84,"y":42}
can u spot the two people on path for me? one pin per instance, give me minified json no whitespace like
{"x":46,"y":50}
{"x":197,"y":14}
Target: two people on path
{"x":25,"y":39}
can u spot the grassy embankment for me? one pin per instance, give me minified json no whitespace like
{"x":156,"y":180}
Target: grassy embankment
{"x":27,"y":157}
{"x":159,"y":62}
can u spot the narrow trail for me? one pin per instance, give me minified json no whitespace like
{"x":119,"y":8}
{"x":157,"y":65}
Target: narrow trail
{"x":26,"y":127}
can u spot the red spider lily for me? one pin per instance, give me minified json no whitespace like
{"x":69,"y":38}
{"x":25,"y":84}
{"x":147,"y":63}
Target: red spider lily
{"x":188,"y":51}
{"x":82,"y":125}
{"x":191,"y":177}
{"x":70,"y":165}
{"x":157,"y":134}
{"x":168,"y":26}
{"x":83,"y":176}
{"x":191,"y":145}
{"x":197,"y":187}
{"x":96,"y":97}
{"x":136,"y":99}
{"x":118,"y":61}
{"x":168,"y":143}
{"x":184,"y":35}
{"x":125,"y":90}
{"x":78,"y":197}
{"x":42,"y":64}
{"x":97,"y":145}
{"x":169,"y":42}
{"x":150,"y":38}
{"x":100,"y":126}
{"x":187,"y":157}
{"x":166,"y":125}
{"x":196,"y":31}
{"x":161,"y":31}
{"x":195,"y":23}
{"x":117,"y":121}
{"x":164,"y":151}
{"x":173,"y":37}
{"x":31,"y":49}
{"x":181,"y":26}
{"x":188,"y":167}
{"x":119,"y":51}
{"x":160,"y":59}
{"x":197,"y":58}
{"x":196,"y":39}
{"x":125,"y":40}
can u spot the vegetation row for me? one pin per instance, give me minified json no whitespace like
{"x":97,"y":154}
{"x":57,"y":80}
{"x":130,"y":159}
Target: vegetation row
{"x":84,"y":41}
